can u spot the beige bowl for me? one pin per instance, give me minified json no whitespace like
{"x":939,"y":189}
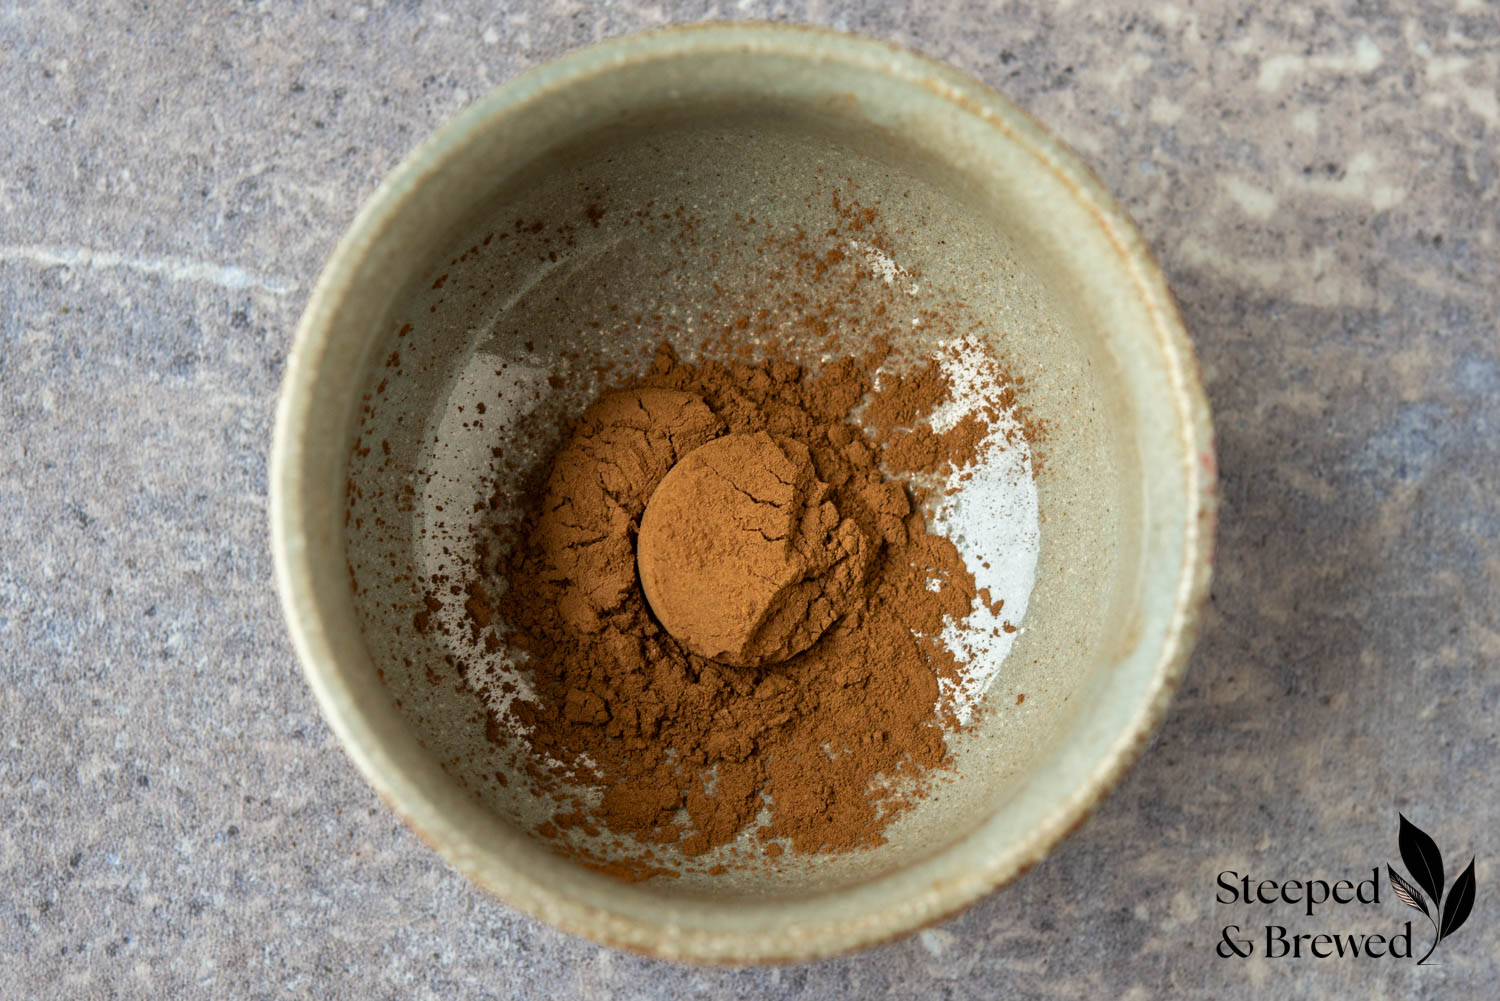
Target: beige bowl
{"x":732,"y":123}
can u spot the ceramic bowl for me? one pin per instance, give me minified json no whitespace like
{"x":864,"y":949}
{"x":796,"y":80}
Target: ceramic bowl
{"x":600,"y":203}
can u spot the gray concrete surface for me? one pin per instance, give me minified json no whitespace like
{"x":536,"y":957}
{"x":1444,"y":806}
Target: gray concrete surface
{"x":1321,"y":182}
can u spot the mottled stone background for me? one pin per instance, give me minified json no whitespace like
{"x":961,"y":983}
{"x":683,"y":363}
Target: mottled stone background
{"x":1320,"y":181}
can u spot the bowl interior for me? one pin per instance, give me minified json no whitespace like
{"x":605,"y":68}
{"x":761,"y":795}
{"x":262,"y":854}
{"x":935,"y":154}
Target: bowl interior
{"x":571,"y":226}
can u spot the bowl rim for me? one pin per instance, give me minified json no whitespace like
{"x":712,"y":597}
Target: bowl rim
{"x":289,"y":524}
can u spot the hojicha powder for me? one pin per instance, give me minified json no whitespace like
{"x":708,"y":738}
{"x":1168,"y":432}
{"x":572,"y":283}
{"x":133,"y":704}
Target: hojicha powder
{"x":784,"y":673}
{"x":744,"y":557}
{"x":719,"y":608}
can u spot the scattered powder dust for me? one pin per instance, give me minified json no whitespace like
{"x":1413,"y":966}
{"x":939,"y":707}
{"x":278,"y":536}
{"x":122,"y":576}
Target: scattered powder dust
{"x":985,"y":508}
{"x":888,"y":518}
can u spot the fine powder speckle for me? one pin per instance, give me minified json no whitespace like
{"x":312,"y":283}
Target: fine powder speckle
{"x":989,"y":510}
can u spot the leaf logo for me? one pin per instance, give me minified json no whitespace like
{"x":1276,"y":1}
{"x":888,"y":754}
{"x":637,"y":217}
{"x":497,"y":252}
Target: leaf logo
{"x":1420,"y":855}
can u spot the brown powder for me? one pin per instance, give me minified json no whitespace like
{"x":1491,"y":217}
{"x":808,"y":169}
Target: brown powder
{"x":907,"y":397}
{"x":621,"y":448}
{"x":633,"y":737}
{"x":743,"y":558}
{"x":922,"y":450}
{"x":823,"y":748}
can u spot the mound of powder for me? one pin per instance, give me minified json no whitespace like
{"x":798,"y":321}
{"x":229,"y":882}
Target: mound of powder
{"x":815,"y":752}
{"x":620,"y":449}
{"x":743,"y":557}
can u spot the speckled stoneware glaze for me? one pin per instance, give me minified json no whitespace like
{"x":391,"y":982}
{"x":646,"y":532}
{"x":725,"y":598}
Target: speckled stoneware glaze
{"x":731,"y":123}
